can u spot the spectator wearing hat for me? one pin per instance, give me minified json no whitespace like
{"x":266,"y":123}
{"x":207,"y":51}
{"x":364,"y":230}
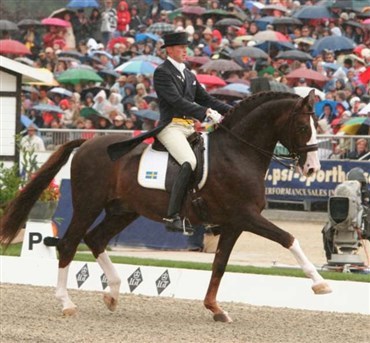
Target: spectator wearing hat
{"x":181,"y":100}
{"x":31,"y":141}
{"x":120,"y":85}
{"x":119,"y":122}
{"x":354,"y":103}
{"x":140,"y":93}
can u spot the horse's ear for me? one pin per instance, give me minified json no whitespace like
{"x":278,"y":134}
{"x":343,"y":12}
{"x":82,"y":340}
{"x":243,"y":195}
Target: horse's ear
{"x":309,"y":99}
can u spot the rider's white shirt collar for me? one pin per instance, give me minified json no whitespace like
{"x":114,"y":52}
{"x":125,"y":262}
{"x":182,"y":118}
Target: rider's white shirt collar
{"x":179,"y":66}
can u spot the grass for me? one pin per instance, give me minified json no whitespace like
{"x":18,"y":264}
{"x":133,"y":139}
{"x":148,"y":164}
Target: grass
{"x":15,"y":250}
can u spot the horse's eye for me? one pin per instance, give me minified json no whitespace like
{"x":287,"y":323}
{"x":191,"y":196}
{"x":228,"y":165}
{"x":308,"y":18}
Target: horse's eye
{"x":303,"y":130}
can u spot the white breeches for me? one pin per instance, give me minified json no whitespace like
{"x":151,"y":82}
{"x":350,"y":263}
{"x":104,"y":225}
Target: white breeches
{"x":174,"y":138}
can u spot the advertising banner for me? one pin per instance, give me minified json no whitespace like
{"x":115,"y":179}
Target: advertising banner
{"x":285,"y":184}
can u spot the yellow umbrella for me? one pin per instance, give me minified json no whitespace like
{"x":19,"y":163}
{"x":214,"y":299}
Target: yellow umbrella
{"x":351,"y":126}
{"x":50,"y":76}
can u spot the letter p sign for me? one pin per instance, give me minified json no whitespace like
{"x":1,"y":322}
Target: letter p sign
{"x":34,"y":238}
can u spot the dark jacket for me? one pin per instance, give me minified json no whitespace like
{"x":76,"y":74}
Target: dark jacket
{"x":182,"y":99}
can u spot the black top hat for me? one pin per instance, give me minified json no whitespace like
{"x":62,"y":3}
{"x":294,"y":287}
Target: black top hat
{"x":175,"y":38}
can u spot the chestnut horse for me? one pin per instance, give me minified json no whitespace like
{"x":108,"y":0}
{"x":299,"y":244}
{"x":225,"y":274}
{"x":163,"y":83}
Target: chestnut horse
{"x":240,"y":152}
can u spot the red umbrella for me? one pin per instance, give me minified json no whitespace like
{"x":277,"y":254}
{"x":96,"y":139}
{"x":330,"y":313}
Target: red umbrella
{"x":365,"y":76}
{"x":55,"y":22}
{"x":270,"y":35}
{"x":308,"y":74}
{"x":10,"y":46}
{"x":210,"y":80}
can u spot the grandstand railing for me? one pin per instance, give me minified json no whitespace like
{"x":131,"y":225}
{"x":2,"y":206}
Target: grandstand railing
{"x":55,"y":137}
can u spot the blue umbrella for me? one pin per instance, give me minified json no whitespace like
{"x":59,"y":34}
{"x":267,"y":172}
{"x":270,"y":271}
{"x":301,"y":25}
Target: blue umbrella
{"x":148,"y":114}
{"x":146,"y":35}
{"x":167,"y":5}
{"x":47,"y":108}
{"x":82,"y":3}
{"x":319,"y":106}
{"x":334,"y":43}
{"x":148,"y":58}
{"x":267,"y":45}
{"x":136,"y":67}
{"x":26,"y":122}
{"x":313,"y":12}
{"x":239,"y":87}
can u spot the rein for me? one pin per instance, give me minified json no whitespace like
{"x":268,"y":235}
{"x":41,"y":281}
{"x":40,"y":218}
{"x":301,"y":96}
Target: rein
{"x":279,"y":158}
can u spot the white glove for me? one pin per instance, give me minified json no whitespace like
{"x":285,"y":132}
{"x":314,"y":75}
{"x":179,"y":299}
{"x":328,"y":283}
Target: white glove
{"x":214,"y":116}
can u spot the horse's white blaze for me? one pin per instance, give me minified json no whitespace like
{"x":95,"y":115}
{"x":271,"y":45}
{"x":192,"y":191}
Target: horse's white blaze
{"x":307,"y":267}
{"x":312,"y":163}
{"x":111,"y":274}
{"x":61,"y":291}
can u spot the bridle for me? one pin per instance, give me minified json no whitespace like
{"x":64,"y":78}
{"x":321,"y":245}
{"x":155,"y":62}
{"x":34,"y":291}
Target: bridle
{"x":294,"y":151}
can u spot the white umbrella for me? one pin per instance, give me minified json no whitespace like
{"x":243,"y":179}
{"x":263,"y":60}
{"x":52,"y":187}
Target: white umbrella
{"x":303,"y":92}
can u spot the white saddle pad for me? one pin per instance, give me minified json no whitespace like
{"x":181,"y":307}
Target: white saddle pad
{"x":153,"y":167}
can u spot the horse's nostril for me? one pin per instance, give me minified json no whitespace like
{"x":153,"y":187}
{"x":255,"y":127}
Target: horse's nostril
{"x":310,"y":171}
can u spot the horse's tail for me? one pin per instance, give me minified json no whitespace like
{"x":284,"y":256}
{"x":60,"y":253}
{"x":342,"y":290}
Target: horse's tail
{"x":16,"y":212}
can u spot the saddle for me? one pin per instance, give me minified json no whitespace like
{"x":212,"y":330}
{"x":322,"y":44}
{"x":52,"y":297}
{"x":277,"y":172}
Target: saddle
{"x":158,"y":169}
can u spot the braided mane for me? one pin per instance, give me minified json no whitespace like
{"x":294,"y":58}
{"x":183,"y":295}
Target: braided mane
{"x":250,"y":103}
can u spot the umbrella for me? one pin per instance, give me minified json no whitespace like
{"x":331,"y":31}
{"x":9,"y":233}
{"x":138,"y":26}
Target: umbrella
{"x":267,"y":45}
{"x":305,"y":40}
{"x":273,"y":7}
{"x":239,"y":87}
{"x":308,"y":74}
{"x":196,"y":10}
{"x":227,"y":93}
{"x":82,"y":3}
{"x":89,"y":111}
{"x":70,"y":53}
{"x":161,"y":27}
{"x":48,"y":108}
{"x":296,"y":55}
{"x":364,"y":129}
{"x":94,"y":91}
{"x":6,"y":25}
{"x":352,"y":126}
{"x":78,"y":75}
{"x":167,"y":5}
{"x":356,"y":5}
{"x":249,"y":51}
{"x":108,"y":72}
{"x":221,"y":65}
{"x":218,"y":13}
{"x":240,"y":40}
{"x":30,"y":89}
{"x":229,"y":22}
{"x":313,"y":12}
{"x":61,"y":91}
{"x":334,"y":43}
{"x":55,"y":22}
{"x":264,"y":21}
{"x":148,"y":58}
{"x":26,"y":122}
{"x":29,"y":22}
{"x":146,"y":35}
{"x":137,"y":67}
{"x":60,"y":13}
{"x":353,"y":23}
{"x":303,"y":92}
{"x":365,"y":110}
{"x":270,"y":35}
{"x":151,"y":97}
{"x":10,"y":46}
{"x":147,"y":114}
{"x":319,"y":106}
{"x":47,"y":74}
{"x":101,"y":52}
{"x":210,"y":80}
{"x":198,"y":59}
{"x":237,"y":80}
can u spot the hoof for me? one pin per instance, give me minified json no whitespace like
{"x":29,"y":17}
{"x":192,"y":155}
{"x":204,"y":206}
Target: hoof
{"x":69,"y":312}
{"x":110,"y":302}
{"x":222,"y":317}
{"x":321,"y":288}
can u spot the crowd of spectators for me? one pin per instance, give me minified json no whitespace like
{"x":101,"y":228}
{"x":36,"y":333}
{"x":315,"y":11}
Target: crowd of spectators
{"x":104,"y":38}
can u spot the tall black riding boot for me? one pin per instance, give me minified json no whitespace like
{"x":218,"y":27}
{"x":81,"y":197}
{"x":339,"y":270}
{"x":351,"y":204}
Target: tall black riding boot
{"x":174,"y":222}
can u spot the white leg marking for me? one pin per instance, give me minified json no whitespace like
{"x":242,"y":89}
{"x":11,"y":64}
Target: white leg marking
{"x":319,"y":284}
{"x":61,"y":292}
{"x":111,"y":274}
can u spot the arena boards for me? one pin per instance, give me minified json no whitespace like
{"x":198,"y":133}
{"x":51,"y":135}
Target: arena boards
{"x":260,"y":290}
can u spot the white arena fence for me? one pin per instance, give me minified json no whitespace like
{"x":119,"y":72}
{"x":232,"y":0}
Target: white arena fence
{"x":56,"y":137}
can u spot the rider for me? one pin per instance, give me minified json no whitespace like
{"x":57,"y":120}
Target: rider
{"x":182,"y":101}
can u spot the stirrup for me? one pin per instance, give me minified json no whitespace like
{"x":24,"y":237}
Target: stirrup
{"x":176,"y":224}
